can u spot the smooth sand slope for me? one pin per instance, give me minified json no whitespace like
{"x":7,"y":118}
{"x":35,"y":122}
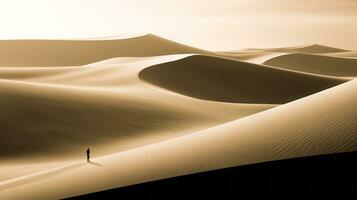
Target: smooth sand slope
{"x":219,"y":79}
{"x":35,"y":53}
{"x":319,"y":124}
{"x":318,"y":64}
{"x":104,"y":106}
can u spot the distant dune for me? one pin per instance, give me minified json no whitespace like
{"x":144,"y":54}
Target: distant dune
{"x":25,"y":53}
{"x":347,"y":54}
{"x":259,"y":56}
{"x":318,"y":64}
{"x":220,"y":79}
{"x":312,"y":49}
{"x":315,"y":48}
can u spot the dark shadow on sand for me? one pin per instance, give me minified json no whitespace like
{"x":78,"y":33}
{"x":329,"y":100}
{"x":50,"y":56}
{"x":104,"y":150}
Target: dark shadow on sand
{"x":330,"y":176}
{"x":95,"y":164}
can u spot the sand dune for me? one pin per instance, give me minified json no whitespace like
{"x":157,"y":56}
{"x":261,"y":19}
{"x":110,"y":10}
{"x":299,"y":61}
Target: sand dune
{"x":259,"y":56}
{"x":234,"y":81}
{"x":103,"y":105}
{"x":112,"y":72}
{"x":317,"y":64}
{"x":319,"y":124}
{"x":309,"y":49}
{"x":253,"y":57}
{"x":347,"y":54}
{"x":36,"y":53}
{"x":315,"y":48}
{"x":150,"y":108}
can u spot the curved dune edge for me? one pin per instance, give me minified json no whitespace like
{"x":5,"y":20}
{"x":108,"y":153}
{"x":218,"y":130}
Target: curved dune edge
{"x":114,"y":72}
{"x":322,"y":123}
{"x":252,"y":57}
{"x":46,"y":53}
{"x":104,"y":105}
{"x":317,"y":64}
{"x":228,"y":80}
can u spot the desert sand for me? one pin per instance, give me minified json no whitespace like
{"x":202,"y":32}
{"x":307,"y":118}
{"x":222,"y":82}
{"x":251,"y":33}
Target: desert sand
{"x":35,"y":53}
{"x":317,"y":64}
{"x":150,"y":109}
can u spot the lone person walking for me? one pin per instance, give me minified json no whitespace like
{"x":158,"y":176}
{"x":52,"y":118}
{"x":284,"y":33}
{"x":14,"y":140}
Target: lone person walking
{"x":88,"y":155}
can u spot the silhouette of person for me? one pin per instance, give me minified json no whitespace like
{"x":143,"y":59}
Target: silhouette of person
{"x":88,"y":155}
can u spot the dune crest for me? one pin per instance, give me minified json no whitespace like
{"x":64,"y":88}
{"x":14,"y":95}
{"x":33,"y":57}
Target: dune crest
{"x":46,"y":53}
{"x":234,"y":81}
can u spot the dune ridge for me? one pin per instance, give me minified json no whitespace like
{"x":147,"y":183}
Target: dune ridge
{"x":45,"y":53}
{"x":234,"y":81}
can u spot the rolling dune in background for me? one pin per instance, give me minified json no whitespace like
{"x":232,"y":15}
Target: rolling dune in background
{"x":318,"y":64}
{"x":151,"y":109}
{"x":311,"y":49}
{"x":36,"y":53}
{"x":347,"y":54}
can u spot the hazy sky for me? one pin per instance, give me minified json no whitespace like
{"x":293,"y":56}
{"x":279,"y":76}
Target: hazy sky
{"x":209,"y":24}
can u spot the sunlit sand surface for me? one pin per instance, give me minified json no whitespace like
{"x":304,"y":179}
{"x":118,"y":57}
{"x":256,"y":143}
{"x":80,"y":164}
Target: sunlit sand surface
{"x":150,"y":109}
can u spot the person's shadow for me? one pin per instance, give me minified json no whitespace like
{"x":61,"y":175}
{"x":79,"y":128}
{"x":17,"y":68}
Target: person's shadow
{"x":96,"y":164}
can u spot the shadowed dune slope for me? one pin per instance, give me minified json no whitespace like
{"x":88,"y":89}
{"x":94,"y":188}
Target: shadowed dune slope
{"x":317,"y":64}
{"x":27,"y":53}
{"x":322,"y":123}
{"x":219,"y":79}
